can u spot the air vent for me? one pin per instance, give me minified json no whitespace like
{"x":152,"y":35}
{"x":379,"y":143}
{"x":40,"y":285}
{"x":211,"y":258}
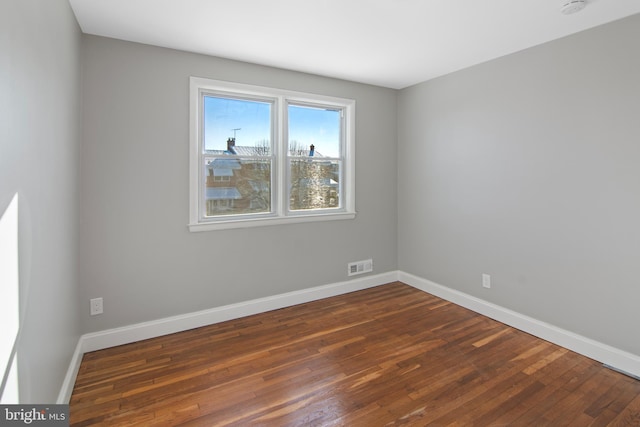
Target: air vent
{"x":360,"y":267}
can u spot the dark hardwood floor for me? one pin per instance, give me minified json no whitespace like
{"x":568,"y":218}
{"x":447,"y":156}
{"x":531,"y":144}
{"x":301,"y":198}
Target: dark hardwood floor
{"x":390,"y":355}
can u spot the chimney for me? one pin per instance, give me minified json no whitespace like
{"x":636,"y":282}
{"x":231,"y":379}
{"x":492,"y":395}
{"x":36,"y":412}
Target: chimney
{"x":231,"y":145}
{"x":312,"y":150}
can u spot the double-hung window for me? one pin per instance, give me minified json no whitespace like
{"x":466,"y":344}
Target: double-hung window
{"x":261,"y":156}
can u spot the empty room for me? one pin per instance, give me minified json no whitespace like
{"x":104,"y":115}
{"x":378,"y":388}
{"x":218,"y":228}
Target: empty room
{"x":321,"y":213}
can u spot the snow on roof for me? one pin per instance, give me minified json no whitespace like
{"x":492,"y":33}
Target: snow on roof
{"x":222,"y":193}
{"x":243,"y":150}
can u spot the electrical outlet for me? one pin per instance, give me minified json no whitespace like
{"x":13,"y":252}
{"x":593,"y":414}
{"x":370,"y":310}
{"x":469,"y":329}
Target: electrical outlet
{"x":360,"y":267}
{"x":486,"y":281}
{"x":96,"y":306}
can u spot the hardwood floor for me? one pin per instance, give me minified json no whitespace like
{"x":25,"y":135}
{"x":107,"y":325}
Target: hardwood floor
{"x":390,"y":355}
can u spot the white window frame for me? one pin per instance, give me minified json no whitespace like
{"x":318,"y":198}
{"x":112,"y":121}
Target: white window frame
{"x":280,"y":205}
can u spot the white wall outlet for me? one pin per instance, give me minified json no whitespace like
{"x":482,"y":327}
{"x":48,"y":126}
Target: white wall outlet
{"x":96,"y":306}
{"x":486,"y":281}
{"x":360,"y":267}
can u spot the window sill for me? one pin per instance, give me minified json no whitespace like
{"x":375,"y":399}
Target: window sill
{"x":263,"y":222}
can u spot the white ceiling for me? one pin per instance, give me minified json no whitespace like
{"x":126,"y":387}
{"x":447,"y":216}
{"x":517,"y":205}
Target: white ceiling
{"x":391,"y":43}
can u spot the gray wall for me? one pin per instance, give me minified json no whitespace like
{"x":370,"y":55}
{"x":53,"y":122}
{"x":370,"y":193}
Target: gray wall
{"x":136,"y":251}
{"x":525,"y":168}
{"x":39,"y":117}
{"x":528,"y":168}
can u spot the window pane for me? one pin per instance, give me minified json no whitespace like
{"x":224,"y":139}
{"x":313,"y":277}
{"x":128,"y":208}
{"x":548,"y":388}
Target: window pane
{"x":237,"y":126}
{"x":237,"y":186}
{"x":319,"y":127}
{"x":314,"y":184}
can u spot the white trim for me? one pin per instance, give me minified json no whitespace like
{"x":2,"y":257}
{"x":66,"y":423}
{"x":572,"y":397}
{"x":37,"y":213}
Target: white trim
{"x":614,"y":357}
{"x":155,"y":328}
{"x":194,"y":151}
{"x":260,"y":222}
{"x":280,"y":213}
{"x":140,"y":331}
{"x":70,"y":379}
{"x":349,"y":178}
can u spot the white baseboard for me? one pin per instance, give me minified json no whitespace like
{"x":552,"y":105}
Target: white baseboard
{"x":615,"y":358}
{"x":155,"y":328}
{"x":72,"y":373}
{"x":618,"y":359}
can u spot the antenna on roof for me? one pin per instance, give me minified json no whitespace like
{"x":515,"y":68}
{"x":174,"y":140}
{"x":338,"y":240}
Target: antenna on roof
{"x":234,"y":132}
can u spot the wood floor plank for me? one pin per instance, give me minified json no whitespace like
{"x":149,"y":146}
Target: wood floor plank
{"x":629,"y":416}
{"x":389,"y":355}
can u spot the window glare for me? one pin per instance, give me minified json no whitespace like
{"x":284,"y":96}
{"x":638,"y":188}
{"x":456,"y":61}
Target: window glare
{"x":247,"y":121}
{"x":315,"y":126}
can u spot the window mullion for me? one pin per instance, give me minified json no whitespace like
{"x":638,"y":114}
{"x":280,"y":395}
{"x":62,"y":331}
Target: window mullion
{"x":281,"y":157}
{"x":200,"y":157}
